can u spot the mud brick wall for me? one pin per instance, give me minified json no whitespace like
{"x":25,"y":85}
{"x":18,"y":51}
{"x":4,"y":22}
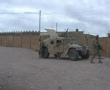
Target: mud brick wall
{"x":107,"y":47}
{"x":105,"y":43}
{"x":34,"y":42}
{"x":20,"y":40}
{"x":31,"y":41}
{"x":82,"y":40}
{"x":26,"y":41}
{"x":4,"y":40}
{"x":91,"y":47}
{"x":0,"y":40}
{"x":17,"y":41}
{"x":10,"y":41}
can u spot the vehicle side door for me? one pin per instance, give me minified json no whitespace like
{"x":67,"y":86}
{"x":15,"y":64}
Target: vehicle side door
{"x":59,"y":45}
{"x":51,"y":45}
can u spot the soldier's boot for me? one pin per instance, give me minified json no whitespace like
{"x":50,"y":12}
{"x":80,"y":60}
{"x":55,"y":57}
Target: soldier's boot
{"x":100,"y":60}
{"x":92,"y":59}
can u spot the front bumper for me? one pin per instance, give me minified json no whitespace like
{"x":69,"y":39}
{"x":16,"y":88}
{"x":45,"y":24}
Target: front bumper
{"x":84,"y":52}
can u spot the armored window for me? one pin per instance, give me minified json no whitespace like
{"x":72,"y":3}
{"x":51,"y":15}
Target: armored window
{"x":51,"y":42}
{"x":59,"y":41}
{"x":67,"y":40}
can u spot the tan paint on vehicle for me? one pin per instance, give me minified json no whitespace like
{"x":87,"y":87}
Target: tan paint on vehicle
{"x":52,"y":47}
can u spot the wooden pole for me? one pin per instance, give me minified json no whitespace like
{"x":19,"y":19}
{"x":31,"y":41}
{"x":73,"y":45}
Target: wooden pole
{"x":40,"y":25}
{"x":56,"y":27}
{"x":40,"y":21}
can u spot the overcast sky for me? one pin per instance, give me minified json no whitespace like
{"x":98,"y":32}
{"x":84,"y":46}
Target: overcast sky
{"x":91,"y":16}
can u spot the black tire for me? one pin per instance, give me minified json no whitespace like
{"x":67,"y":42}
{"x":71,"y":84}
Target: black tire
{"x":73,"y":54}
{"x":45,"y":53}
{"x":86,"y":56}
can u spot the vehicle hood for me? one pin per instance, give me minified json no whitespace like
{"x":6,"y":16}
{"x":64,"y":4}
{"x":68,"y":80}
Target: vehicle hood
{"x":82,"y":44}
{"x":75,"y":45}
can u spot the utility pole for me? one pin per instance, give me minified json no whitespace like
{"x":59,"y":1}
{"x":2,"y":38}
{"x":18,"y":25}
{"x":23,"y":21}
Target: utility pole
{"x":56,"y":27}
{"x":39,"y":21}
{"x":40,"y":25}
{"x":52,"y":22}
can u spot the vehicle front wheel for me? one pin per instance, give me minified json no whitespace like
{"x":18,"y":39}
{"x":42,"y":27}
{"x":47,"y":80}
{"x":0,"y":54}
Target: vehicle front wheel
{"x":86,"y":56}
{"x":73,"y":55}
{"x":55,"y":55}
{"x":45,"y":53}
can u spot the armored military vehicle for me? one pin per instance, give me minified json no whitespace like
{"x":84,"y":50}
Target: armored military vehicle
{"x":64,"y":45}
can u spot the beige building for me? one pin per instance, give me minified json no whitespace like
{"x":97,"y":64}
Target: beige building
{"x":72,"y":34}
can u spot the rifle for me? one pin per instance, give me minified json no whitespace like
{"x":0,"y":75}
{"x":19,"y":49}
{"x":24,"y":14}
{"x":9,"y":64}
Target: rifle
{"x":100,"y":48}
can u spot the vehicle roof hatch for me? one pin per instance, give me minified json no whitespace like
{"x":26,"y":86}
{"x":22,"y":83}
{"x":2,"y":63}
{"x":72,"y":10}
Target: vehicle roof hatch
{"x":52,"y":33}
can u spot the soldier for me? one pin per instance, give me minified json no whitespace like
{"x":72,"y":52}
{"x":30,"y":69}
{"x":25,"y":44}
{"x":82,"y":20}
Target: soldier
{"x":97,"y":49}
{"x":58,"y":55}
{"x":40,"y":49}
{"x":58,"y":43}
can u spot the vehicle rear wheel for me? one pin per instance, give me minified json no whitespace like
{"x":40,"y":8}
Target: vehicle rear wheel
{"x":45,"y":53}
{"x":86,"y":56}
{"x":73,"y":55}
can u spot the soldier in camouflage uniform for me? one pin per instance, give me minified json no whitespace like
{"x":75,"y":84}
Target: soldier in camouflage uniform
{"x":97,"y":49}
{"x":58,"y":43}
{"x":41,"y":49}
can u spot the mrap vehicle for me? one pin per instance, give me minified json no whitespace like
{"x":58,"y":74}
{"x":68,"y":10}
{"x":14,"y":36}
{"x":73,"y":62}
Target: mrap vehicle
{"x":65,"y":46}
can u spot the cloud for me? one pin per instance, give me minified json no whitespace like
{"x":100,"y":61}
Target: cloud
{"x":92,"y":16}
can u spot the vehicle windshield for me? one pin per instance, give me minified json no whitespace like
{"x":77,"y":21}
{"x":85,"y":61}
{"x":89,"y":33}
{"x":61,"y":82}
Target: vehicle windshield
{"x":68,"y":40}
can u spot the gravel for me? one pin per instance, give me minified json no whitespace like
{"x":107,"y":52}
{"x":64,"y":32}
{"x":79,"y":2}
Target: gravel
{"x":21,"y":69}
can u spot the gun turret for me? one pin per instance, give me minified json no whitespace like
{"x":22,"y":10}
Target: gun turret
{"x":65,"y":34}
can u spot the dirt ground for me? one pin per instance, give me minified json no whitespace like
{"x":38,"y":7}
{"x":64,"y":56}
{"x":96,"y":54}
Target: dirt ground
{"x":21,"y":69}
